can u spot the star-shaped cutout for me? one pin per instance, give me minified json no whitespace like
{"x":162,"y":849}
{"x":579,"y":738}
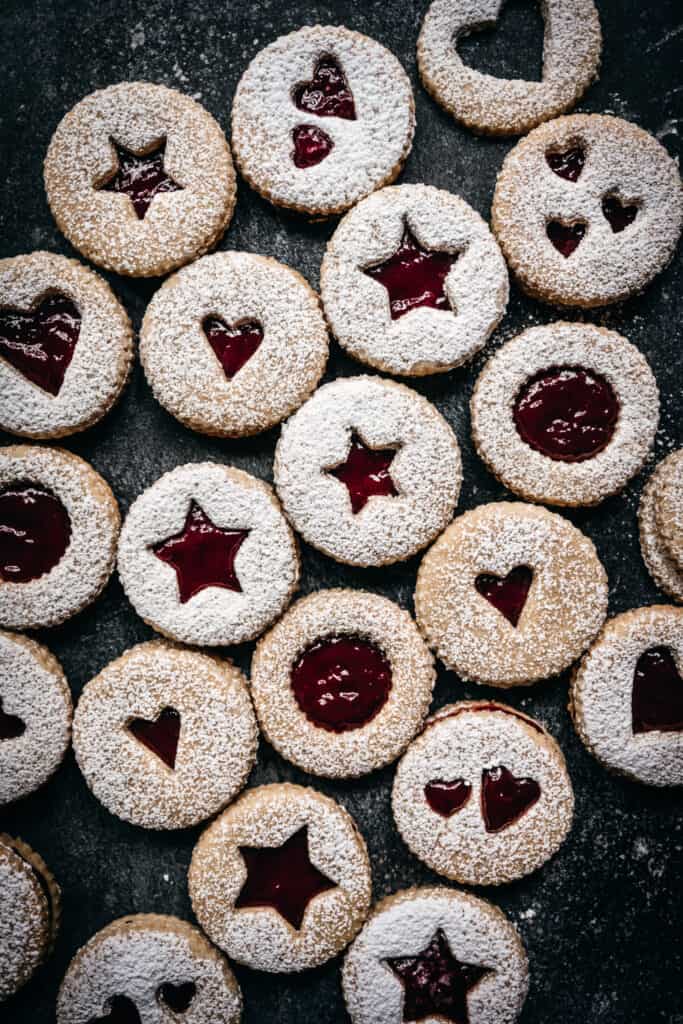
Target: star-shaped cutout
{"x":202,"y":554}
{"x":435,"y":983}
{"x":413,"y":276}
{"x":141,"y":176}
{"x":282,"y":877}
{"x":365,"y":472}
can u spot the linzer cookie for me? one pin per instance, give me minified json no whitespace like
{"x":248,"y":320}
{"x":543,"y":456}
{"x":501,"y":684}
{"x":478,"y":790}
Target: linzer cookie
{"x":482,"y":796}
{"x":342,"y":682}
{"x":436,"y":954}
{"x":669,"y":509}
{"x":149,"y":967}
{"x":35,"y":716}
{"x":321,"y":118}
{"x":233,"y":343}
{"x":65,"y":346}
{"x":510,"y":594}
{"x":588,"y":210}
{"x":413,"y":281}
{"x":59,"y":523}
{"x":565,"y":413}
{"x":627,"y":695}
{"x":368,"y":471}
{"x":206,"y":555}
{"x":165,"y":737}
{"x":659,"y":516}
{"x":281,"y":880}
{"x":140,"y":179}
{"x":572,"y":45}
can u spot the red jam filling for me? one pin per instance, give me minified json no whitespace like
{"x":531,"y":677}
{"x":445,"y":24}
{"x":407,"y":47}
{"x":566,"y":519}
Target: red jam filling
{"x":447,"y":797}
{"x":311,"y":145}
{"x":177,"y":997}
{"x":160,"y":736}
{"x":413,"y":276}
{"x":282,"y":877}
{"x":505,"y":798}
{"x":508,"y":594}
{"x":34,"y":532}
{"x":11,"y":727}
{"x":328,"y":93}
{"x":233,"y":344}
{"x":565,"y":237}
{"x":202,"y":554}
{"x":141,"y":176}
{"x":567,"y":163}
{"x":122,"y":1010}
{"x":619,"y":214}
{"x":657,"y":697}
{"x":40,"y":343}
{"x":566,"y":413}
{"x":366,"y":473}
{"x":341,"y":683}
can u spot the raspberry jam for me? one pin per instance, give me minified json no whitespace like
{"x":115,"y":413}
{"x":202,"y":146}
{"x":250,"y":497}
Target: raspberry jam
{"x":141,"y":176}
{"x":177,"y":997}
{"x":282,"y":877}
{"x":341,"y":682}
{"x":413,"y":276}
{"x":505,"y":798}
{"x":34,"y":532}
{"x":619,"y":214}
{"x":311,"y":145}
{"x":509,"y":593}
{"x":233,"y":344}
{"x":568,"y":163}
{"x":565,"y":237}
{"x":366,"y":473}
{"x":122,"y":1010}
{"x":40,"y":343}
{"x":11,"y":726}
{"x":567,"y":413}
{"x":328,"y":93}
{"x":160,"y":736}
{"x":657,"y":697}
{"x":447,"y":797}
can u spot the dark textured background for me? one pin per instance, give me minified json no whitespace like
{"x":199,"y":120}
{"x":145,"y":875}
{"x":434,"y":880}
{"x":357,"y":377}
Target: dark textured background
{"x":601,"y":920}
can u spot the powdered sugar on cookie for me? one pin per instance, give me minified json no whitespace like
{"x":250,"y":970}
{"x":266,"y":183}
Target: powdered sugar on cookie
{"x":664,"y":570}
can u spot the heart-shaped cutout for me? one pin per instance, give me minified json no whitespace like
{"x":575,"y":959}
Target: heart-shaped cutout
{"x":447,"y":797}
{"x":328,"y":93}
{"x":565,"y":237}
{"x":177,"y":997}
{"x":160,"y":736}
{"x":508,"y":593}
{"x":40,"y":342}
{"x":121,"y":1010}
{"x":505,"y":798}
{"x":11,"y":726}
{"x":657,"y":695}
{"x":566,"y":163}
{"x":510,"y":47}
{"x":619,"y":214}
{"x":233,"y":344}
{"x":311,"y":145}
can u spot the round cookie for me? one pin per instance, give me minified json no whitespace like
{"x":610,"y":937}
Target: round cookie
{"x":654,"y":547}
{"x":413,"y":281}
{"x":572,"y":45}
{"x":140,"y":179}
{"x":510,"y":594}
{"x":233,"y":344}
{"x":482,"y":796}
{"x":165,"y":737}
{"x":35,"y":716}
{"x":281,"y":880}
{"x":152,"y":965}
{"x":565,"y":413}
{"x":669,"y":507}
{"x":66,"y":346}
{"x":59,"y":524}
{"x":30,"y":912}
{"x":342,"y":683}
{"x":435,"y":954}
{"x":368,"y":471}
{"x":322,"y":117}
{"x":626,"y":696}
{"x":588,"y":210}
{"x":206,"y":555}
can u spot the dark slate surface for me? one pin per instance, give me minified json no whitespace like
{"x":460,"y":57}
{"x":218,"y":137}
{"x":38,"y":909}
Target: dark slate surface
{"x":601,"y":920}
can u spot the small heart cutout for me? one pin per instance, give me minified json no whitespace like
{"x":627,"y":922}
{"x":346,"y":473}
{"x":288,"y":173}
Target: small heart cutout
{"x":122,"y":1010}
{"x":177,"y":997}
{"x":11,"y":726}
{"x":565,"y":237}
{"x":505,"y":798}
{"x":328,"y":93}
{"x":509,"y":593}
{"x":619,"y":214}
{"x":311,"y":145}
{"x":233,"y":344}
{"x":447,"y":797}
{"x":567,"y":163}
{"x":657,"y":695}
{"x":40,"y":342}
{"x":160,"y":736}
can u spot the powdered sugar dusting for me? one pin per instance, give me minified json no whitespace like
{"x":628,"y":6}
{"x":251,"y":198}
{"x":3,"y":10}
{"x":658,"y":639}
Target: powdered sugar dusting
{"x":669,"y":507}
{"x":24,"y":932}
{"x":656,"y":554}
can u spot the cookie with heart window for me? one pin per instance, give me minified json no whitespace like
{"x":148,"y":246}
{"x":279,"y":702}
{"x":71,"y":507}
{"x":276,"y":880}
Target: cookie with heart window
{"x":149,"y":967}
{"x":165,"y":737}
{"x":660,"y":520}
{"x":482,"y":796}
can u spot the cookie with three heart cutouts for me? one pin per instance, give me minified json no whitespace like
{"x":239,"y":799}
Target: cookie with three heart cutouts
{"x":234,"y":343}
{"x":65,"y":346}
{"x":140,"y":179}
{"x":510,"y":594}
{"x":626,"y":696}
{"x":322,"y":117}
{"x":149,"y":967}
{"x":165,"y":737}
{"x":660,"y":519}
{"x":482,"y":796}
{"x":588,"y":210}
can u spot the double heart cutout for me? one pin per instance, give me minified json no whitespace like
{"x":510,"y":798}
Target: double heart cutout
{"x":40,"y":342}
{"x":233,"y":344}
{"x":122,"y":1010}
{"x":327,"y":94}
{"x":657,"y":695}
{"x":504,"y":797}
{"x":160,"y":735}
{"x":507,"y":593}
